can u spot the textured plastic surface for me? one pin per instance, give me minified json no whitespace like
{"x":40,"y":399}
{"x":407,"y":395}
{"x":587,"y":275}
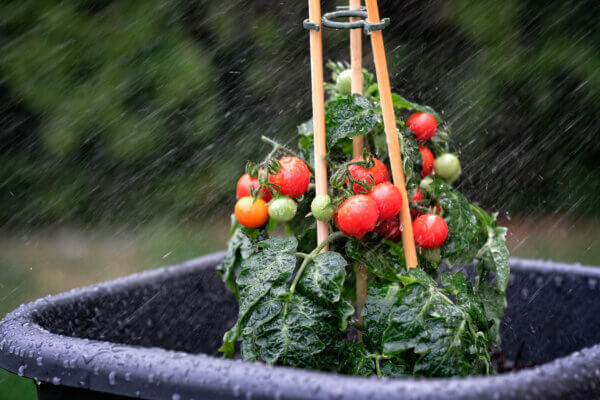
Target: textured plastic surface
{"x":154,"y":335}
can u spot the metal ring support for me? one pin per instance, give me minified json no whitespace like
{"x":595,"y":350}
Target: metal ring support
{"x":344,"y":11}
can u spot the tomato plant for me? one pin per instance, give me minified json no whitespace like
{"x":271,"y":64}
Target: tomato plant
{"x":295,"y":302}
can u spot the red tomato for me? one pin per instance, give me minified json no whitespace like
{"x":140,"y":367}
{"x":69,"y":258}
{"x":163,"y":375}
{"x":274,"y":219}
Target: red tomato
{"x":379,"y":173}
{"x":388,"y":199}
{"x":428,"y":160}
{"x":243,"y":188}
{"x":423,"y":125}
{"x":414,"y":213}
{"x":292,"y":178}
{"x":251,"y":212}
{"x":389,"y":229}
{"x":430,"y":231}
{"x":357,"y":216}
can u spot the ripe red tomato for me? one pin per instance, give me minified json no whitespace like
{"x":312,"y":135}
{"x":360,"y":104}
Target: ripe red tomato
{"x":243,"y":188}
{"x":430,"y":231}
{"x":292,"y":178}
{"x":389,"y":229}
{"x":414,"y":213}
{"x":388,"y":199}
{"x":251,"y":212}
{"x":357,"y":216}
{"x":428,"y":159}
{"x":422,"y":124}
{"x":379,"y":173}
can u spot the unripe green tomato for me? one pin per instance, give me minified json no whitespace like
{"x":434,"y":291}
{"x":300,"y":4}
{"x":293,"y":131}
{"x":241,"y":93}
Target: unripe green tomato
{"x":282,"y":209}
{"x":344,"y":82}
{"x":447,"y":167}
{"x":425,"y":184}
{"x":434,"y":256}
{"x":322,"y":208}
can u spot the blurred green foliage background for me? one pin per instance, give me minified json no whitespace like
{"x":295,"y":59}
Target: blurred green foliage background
{"x":124,"y":124}
{"x":137,"y":110}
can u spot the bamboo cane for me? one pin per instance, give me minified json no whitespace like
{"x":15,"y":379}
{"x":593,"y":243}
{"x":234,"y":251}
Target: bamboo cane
{"x":318,"y":106}
{"x":358,"y":146}
{"x":389,"y":121}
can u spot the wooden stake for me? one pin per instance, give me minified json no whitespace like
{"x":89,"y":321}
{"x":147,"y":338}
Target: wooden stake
{"x":358,"y":146}
{"x":358,"y":143}
{"x":318,"y":106}
{"x":389,"y":121}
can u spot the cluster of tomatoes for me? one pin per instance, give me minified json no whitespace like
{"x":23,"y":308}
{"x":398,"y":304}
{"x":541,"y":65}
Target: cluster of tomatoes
{"x":254,"y":209}
{"x":373,"y":207}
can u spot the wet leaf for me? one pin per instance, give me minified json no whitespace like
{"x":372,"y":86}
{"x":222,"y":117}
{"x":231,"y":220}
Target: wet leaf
{"x":351,"y":116}
{"x":355,"y":360}
{"x":429,"y":324}
{"x":377,"y":258}
{"x":460,"y":247}
{"x":323,"y":278}
{"x":402,"y":103}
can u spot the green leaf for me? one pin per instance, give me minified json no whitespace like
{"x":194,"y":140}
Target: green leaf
{"x":378,"y":307}
{"x":347,"y":117}
{"x":457,"y":285}
{"x":494,"y":256}
{"x":306,"y":128}
{"x":460,"y":247}
{"x":494,"y":304}
{"x":262,"y":270}
{"x":345,"y":311}
{"x":239,"y":248}
{"x":323,"y":278}
{"x":279,"y":244}
{"x":411,"y":157}
{"x":377,"y":258}
{"x":273,"y":266}
{"x":429,"y":324}
{"x":355,"y":360}
{"x":296,"y":335}
{"x":402,"y":103}
{"x":395,"y":368}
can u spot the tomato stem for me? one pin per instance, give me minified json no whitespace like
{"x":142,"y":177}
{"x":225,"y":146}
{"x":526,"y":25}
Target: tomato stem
{"x":282,"y":148}
{"x":308,"y":258}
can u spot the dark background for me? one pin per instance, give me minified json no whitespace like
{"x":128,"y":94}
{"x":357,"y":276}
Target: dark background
{"x":134,"y":110}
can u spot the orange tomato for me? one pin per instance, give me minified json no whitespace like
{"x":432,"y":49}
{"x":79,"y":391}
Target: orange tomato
{"x":251,"y":212}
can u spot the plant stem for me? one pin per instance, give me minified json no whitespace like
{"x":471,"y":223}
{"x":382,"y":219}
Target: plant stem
{"x":378,"y":367}
{"x":308,"y":258}
{"x":278,"y":146}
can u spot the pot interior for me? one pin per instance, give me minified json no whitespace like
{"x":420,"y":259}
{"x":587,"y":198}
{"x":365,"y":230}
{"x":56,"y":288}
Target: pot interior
{"x":553,"y":311}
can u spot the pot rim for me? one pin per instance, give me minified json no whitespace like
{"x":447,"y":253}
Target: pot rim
{"x":30,"y":351}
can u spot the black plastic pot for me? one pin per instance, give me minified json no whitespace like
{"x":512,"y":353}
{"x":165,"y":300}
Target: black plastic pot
{"x":154,"y":335}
